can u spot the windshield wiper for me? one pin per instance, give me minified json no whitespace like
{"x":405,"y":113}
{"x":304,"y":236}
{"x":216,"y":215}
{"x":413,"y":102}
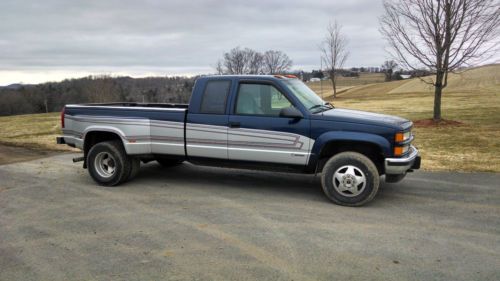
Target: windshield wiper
{"x":324,"y":107}
{"x":316,"y":106}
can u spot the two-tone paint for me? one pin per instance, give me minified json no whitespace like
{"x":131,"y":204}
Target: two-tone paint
{"x":183,"y":131}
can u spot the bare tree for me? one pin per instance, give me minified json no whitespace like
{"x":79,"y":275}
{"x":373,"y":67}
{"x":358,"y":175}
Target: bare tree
{"x":219,"y":67}
{"x":253,"y":61}
{"x":234,"y":61}
{"x":248,"y":61}
{"x":334,"y":52}
{"x":441,"y":35}
{"x":388,"y":67}
{"x":276,"y":62}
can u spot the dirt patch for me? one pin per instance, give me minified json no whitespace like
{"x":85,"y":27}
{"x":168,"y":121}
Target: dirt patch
{"x":13,"y":154}
{"x":426,"y":123}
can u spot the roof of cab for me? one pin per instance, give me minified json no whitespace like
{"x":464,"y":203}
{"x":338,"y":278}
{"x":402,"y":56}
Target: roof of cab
{"x":248,"y":76}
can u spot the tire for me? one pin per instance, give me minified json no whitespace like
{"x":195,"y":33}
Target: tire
{"x":134,"y":169}
{"x":350,"y":179}
{"x":165,"y":162}
{"x":108,"y":164}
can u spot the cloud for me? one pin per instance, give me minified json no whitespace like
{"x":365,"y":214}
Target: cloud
{"x":169,"y":37}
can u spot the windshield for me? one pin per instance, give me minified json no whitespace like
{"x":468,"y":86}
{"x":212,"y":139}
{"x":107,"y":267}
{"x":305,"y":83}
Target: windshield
{"x":306,"y":96}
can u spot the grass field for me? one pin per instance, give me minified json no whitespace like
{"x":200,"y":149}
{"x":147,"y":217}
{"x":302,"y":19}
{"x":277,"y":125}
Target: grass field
{"x":324,"y":88}
{"x":472,"y":98}
{"x":36,"y":131}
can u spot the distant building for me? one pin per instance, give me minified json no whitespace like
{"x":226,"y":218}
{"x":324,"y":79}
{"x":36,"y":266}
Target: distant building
{"x":405,"y":76}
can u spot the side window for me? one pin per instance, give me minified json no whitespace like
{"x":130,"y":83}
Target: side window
{"x":260,"y":99}
{"x":215,"y":97}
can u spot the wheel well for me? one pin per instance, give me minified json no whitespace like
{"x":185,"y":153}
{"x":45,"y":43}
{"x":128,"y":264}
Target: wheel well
{"x":370,"y":150}
{"x":92,"y":138}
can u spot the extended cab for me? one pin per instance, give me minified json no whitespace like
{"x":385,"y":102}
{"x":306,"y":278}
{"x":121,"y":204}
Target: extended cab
{"x":258,"y":122}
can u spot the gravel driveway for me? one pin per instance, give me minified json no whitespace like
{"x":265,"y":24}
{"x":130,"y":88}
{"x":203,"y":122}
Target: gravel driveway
{"x":200,"y":223}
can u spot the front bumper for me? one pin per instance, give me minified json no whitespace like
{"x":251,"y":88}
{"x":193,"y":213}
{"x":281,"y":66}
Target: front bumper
{"x":399,"y":166}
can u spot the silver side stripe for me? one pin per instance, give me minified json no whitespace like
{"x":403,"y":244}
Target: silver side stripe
{"x":249,"y":149}
{"x":143,"y":135}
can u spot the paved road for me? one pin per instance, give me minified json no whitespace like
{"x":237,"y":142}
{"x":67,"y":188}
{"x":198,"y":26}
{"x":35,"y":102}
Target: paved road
{"x":199,"y":223}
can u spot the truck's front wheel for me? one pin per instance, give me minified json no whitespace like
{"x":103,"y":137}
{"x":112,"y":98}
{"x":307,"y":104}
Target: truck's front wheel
{"x":350,"y":179}
{"x":108,"y":163}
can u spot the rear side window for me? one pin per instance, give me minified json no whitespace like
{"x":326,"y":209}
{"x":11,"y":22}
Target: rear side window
{"x":215,"y":97}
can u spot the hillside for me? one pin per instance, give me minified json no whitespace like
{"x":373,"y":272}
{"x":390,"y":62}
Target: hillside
{"x":472,"y":98}
{"x":483,"y":78}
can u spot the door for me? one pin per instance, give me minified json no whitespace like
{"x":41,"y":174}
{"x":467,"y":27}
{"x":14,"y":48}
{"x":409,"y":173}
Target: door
{"x":206,"y":129}
{"x":258,"y":133}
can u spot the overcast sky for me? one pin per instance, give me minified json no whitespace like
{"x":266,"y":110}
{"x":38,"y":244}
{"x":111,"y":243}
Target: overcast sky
{"x":51,"y":40}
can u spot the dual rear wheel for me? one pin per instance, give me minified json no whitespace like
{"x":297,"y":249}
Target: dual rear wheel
{"x":109,"y":164}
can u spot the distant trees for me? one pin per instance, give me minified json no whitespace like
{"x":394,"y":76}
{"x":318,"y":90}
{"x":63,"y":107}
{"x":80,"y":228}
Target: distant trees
{"x":440,"y":35}
{"x":388,"y":68}
{"x":334,"y":52}
{"x":317,"y":74}
{"x":219,"y":67}
{"x":248,"y":61}
{"x":50,"y":97}
{"x":236,"y":61}
{"x":254,"y":61}
{"x":275,"y":62}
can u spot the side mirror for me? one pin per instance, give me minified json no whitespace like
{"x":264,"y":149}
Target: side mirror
{"x":291,"y":112}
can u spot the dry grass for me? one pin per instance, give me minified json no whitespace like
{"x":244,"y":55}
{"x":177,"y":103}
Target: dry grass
{"x":37,"y":131}
{"x":473,"y":98}
{"x":324,"y":88}
{"x":484,"y":78}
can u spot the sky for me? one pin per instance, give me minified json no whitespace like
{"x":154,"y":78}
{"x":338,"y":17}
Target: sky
{"x":52,"y":40}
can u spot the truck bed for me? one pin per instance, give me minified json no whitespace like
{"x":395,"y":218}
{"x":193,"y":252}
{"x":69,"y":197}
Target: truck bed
{"x":144,"y":128}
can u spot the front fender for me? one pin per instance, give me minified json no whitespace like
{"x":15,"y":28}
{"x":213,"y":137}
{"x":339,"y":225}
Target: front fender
{"x":333,"y":136}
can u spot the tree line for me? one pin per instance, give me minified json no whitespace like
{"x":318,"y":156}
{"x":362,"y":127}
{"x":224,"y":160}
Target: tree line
{"x":52,"y":96}
{"x":249,"y":61}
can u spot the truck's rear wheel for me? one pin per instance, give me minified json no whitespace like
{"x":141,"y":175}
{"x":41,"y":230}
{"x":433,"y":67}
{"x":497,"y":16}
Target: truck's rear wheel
{"x":350,"y":179}
{"x":108,"y":164}
{"x":135,"y":165}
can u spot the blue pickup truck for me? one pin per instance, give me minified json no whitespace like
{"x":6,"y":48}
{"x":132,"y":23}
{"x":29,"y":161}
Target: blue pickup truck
{"x":246,"y":121}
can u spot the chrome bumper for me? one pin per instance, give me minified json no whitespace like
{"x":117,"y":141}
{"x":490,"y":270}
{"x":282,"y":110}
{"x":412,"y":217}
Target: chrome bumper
{"x":398,"y":166}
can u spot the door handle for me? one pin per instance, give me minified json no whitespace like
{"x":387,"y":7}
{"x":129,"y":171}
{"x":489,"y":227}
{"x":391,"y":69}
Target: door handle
{"x":234,"y":124}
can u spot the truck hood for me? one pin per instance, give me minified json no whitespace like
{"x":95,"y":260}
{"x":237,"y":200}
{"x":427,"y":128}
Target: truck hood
{"x":363,"y":117}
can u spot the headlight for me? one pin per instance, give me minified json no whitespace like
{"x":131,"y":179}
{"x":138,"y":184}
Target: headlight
{"x":401,"y":137}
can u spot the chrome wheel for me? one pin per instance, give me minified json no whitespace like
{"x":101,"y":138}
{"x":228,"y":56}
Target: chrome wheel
{"x":105,"y":164}
{"x":349,"y":181}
